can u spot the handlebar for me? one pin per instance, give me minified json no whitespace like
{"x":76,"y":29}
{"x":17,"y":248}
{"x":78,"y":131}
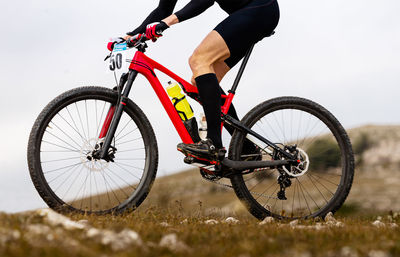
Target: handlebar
{"x":133,"y":41}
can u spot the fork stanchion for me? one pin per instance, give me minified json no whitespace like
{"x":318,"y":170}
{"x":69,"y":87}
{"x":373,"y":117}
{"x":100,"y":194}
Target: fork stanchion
{"x":118,"y":113}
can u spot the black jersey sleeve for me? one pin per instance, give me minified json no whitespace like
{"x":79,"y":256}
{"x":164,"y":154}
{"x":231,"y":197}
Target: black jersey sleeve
{"x":193,"y":8}
{"x":164,"y":9}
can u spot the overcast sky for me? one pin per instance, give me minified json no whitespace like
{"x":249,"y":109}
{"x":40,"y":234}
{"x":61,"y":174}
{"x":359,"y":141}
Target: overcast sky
{"x":343,"y":54}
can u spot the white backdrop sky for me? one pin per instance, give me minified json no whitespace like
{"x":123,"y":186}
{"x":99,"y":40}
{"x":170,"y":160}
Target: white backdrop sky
{"x":343,"y":54}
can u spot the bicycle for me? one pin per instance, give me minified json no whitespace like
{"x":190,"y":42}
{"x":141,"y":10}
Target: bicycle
{"x":93,"y":150}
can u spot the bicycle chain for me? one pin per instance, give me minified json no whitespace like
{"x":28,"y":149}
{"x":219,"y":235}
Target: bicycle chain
{"x":231,"y":187}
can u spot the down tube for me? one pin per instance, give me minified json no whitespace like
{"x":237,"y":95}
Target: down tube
{"x":167,"y":104}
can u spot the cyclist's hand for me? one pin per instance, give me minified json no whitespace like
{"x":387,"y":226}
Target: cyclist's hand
{"x":127,"y":37}
{"x":132,"y":40}
{"x":154,"y":30}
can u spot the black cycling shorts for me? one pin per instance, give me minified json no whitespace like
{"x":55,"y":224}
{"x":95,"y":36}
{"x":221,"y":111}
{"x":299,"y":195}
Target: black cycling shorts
{"x":247,"y":26}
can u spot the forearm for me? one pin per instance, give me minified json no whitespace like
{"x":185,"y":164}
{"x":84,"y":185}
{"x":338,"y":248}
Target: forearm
{"x":163,"y":10}
{"x":171,"y":20}
{"x":193,"y":8}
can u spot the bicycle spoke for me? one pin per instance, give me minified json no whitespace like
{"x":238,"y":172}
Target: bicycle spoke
{"x":80,"y":120}
{"x":302,"y":192}
{"x":325,"y":179}
{"x":120,"y":189}
{"x":121,"y":179}
{"x":71,"y":150}
{"x":123,"y":128}
{"x":116,"y":138}
{"x":101,"y":118}
{"x":269,"y":198}
{"x":131,"y":150}
{"x":73,"y":182}
{"x":61,"y":174}
{"x":282,"y":131}
{"x":73,"y":121}
{"x":87,"y":120}
{"x":317,"y":188}
{"x":127,"y":170}
{"x":319,"y":182}
{"x":305,"y":189}
{"x":58,"y":169}
{"x":65,"y":159}
{"x":294,"y":197}
{"x":65,"y":133}
{"x":129,"y":141}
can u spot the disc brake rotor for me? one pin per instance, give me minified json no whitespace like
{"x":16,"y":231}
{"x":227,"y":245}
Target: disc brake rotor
{"x":88,"y":161}
{"x":301,"y":168}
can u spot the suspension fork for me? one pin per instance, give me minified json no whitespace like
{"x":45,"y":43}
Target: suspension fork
{"x":114,"y":114}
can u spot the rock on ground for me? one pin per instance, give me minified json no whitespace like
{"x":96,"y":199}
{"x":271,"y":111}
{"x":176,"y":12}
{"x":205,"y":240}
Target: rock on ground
{"x":211,"y":222}
{"x":117,"y":241}
{"x":378,"y":224}
{"x":267,"y":220}
{"x":171,"y":242}
{"x":231,"y":220}
{"x":56,"y":219}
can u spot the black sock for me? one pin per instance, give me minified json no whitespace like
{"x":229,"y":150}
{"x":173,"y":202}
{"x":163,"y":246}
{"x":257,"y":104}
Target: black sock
{"x":209,"y":92}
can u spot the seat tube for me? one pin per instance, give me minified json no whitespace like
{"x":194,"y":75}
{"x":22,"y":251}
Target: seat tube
{"x":118,"y":113}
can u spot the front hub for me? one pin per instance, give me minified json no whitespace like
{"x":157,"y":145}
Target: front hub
{"x":88,"y":157}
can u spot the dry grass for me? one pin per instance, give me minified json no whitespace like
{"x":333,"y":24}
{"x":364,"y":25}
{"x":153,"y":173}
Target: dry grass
{"x":358,"y":237}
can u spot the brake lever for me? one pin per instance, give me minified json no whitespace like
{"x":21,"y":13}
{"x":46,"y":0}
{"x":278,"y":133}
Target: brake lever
{"x":108,"y":56}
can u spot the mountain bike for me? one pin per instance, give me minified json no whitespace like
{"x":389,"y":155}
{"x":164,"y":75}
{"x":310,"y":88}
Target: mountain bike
{"x":93,"y":150}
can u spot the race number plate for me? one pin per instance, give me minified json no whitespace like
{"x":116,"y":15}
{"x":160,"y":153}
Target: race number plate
{"x":118,"y":59}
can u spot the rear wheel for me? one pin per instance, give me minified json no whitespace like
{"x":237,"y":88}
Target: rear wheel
{"x":62,"y":141}
{"x":322,"y":180}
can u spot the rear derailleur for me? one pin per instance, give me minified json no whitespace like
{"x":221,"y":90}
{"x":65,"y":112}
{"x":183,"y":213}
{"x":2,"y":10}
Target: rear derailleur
{"x":284,"y":179}
{"x":284,"y":182}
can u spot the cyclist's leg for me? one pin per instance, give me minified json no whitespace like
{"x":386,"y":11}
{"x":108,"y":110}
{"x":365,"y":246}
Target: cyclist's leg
{"x":212,"y":49}
{"x":220,"y":69}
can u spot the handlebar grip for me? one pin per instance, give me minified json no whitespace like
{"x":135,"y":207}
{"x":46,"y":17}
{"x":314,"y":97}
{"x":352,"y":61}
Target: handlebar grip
{"x":110,"y":45}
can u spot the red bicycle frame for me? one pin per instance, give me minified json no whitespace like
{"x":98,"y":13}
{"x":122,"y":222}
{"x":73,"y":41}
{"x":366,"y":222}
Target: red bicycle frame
{"x":146,"y":66}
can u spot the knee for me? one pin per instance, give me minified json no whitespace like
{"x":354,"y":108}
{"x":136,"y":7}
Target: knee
{"x":194,"y":61}
{"x":193,"y":81}
{"x":197,"y":62}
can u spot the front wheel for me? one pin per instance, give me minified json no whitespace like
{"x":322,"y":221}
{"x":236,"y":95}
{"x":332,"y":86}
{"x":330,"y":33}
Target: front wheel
{"x":320,"y":182}
{"x":60,"y":149}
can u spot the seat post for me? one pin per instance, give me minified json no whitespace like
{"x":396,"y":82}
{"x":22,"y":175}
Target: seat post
{"x":241,"y":70}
